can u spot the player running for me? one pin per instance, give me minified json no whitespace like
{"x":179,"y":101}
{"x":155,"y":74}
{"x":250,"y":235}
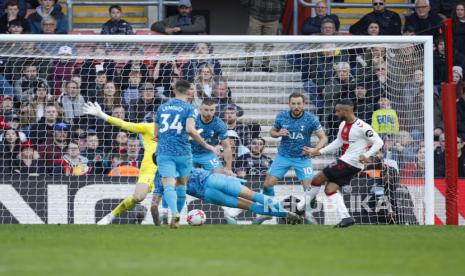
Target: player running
{"x":295,"y":127}
{"x":174,"y":122}
{"x":147,"y":169}
{"x":213,"y":130}
{"x":353,"y":139}
{"x":223,"y":190}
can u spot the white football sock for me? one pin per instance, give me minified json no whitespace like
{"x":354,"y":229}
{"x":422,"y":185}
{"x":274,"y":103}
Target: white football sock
{"x":308,"y":197}
{"x":341,"y":208}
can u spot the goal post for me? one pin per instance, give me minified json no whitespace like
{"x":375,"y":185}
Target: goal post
{"x":260,"y":94}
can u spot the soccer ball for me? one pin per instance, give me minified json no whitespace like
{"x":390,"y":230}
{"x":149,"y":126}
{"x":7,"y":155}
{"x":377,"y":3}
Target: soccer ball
{"x":196,"y":217}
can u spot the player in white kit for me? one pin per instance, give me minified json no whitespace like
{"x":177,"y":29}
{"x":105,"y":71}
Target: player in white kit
{"x":357,"y":142}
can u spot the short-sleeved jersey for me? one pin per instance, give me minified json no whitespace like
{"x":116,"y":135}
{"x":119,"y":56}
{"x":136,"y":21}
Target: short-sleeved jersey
{"x":300,"y":132}
{"x":212,"y":133}
{"x":354,"y":140}
{"x":171,"y":120}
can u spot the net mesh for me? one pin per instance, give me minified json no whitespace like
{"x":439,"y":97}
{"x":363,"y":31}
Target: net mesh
{"x":61,"y":166}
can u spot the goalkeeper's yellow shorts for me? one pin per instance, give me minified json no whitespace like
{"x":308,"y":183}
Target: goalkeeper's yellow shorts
{"x":146,"y":178}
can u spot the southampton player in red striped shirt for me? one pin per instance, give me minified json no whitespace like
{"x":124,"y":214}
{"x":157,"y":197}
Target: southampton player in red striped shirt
{"x":357,"y":142}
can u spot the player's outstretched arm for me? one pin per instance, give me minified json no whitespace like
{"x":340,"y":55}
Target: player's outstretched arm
{"x":190,"y":129}
{"x":276,"y":133}
{"x":94,"y":109}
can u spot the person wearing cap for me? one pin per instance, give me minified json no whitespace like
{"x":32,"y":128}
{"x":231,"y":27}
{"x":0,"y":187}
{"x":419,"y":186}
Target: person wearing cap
{"x":72,"y":101}
{"x":47,"y":8}
{"x":457,"y":74}
{"x":116,"y":25}
{"x":25,"y":86}
{"x":72,"y":163}
{"x":11,"y":13}
{"x":147,"y":168}
{"x":147,"y":103}
{"x":28,"y":161}
{"x":183,"y":23}
{"x":54,"y":148}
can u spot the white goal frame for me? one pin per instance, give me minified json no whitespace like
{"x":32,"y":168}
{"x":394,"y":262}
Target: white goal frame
{"x":426,"y":41}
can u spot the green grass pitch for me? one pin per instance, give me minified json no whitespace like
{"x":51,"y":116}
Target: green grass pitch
{"x":231,"y":250}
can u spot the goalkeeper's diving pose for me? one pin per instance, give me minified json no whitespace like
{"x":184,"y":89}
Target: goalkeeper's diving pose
{"x":223,"y":190}
{"x":148,"y":168}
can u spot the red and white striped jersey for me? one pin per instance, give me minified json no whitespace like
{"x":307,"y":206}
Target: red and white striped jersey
{"x":354,"y":140}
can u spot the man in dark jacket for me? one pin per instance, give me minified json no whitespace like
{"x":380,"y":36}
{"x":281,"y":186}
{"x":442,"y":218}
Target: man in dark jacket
{"x":116,"y":25}
{"x":423,"y":20}
{"x":312,"y":25}
{"x":47,"y":8}
{"x":44,"y":128}
{"x":182,"y":24}
{"x":145,"y":107}
{"x":388,"y":21}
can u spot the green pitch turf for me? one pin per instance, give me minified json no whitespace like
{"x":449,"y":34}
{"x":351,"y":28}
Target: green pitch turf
{"x":231,"y":250}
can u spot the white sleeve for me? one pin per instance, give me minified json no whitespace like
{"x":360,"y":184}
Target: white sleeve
{"x":373,"y":137}
{"x":334,"y":145}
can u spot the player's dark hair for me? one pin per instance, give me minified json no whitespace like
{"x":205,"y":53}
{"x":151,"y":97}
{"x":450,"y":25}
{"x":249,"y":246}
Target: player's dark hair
{"x":11,"y":3}
{"x":346,"y":102}
{"x":182,"y":86}
{"x":118,"y":7}
{"x":208,"y":101}
{"x":297,"y":94}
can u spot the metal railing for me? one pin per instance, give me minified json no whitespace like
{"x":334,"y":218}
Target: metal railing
{"x":159,"y":3}
{"x":338,"y":5}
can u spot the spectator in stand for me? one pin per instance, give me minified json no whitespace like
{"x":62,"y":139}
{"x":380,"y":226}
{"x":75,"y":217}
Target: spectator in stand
{"x":40,"y":100}
{"x":15,"y":26}
{"x":445,"y":8}
{"x":202,"y":50}
{"x":264,"y":18}
{"x":134,"y":65}
{"x":72,"y":163}
{"x":312,"y":25}
{"x":439,"y":153}
{"x":385,"y":120}
{"x":458,"y":18}
{"x":54,"y":148}
{"x":98,"y":160}
{"x":204,"y":81}
{"x":22,"y":5}
{"x":9,"y":150}
{"x":7,"y":108}
{"x":245,"y":132}
{"x":28,"y":161}
{"x":423,"y":21}
{"x":373,"y":29}
{"x":416,"y":166}
{"x":120,"y":142}
{"x":47,"y":8}
{"x":366,"y":63}
{"x":341,"y":86}
{"x":461,"y":115}
{"x":222,"y":96}
{"x":404,"y":149}
{"x":328,"y":27}
{"x":116,"y":25}
{"x":27,"y":118}
{"x":49,"y":25}
{"x":44,"y":128}
{"x":91,"y":69}
{"x":94,"y":90}
{"x":121,"y":166}
{"x":182,"y":24}
{"x":364,"y":103}
{"x":166,"y":74}
{"x":388,"y":21}
{"x":111,"y":96}
{"x":379,"y":85}
{"x":11,"y":13}
{"x":135,"y":152}
{"x":439,"y":158}
{"x":146,"y":106}
{"x":254,"y":163}
{"x":457,"y":74}
{"x":132,"y":91}
{"x":109,"y":131}
{"x":60,"y":71}
{"x":25,"y":86}
{"x":72,"y":101}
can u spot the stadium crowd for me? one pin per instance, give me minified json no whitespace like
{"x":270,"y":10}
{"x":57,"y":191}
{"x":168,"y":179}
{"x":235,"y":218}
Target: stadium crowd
{"x":44,"y":130}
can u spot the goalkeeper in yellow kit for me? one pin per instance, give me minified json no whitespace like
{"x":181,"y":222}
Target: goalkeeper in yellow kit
{"x":147,"y":169}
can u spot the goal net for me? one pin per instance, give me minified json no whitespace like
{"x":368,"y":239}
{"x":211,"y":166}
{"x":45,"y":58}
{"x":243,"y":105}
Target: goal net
{"x":61,"y":166}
